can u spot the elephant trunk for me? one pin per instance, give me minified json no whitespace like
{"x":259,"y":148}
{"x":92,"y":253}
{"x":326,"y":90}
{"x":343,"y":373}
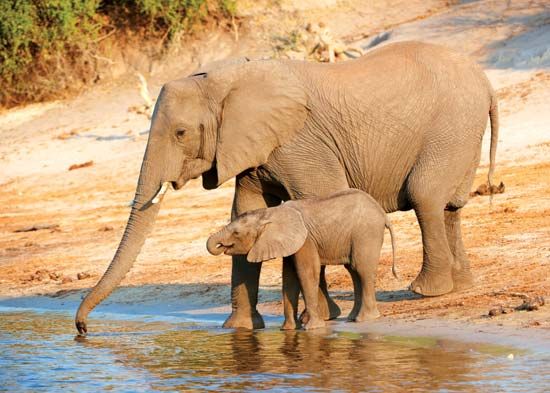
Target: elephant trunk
{"x":213,"y":245}
{"x":140,"y":223}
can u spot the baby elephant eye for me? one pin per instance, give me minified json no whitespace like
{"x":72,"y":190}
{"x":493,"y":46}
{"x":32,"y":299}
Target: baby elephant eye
{"x":180,"y":133}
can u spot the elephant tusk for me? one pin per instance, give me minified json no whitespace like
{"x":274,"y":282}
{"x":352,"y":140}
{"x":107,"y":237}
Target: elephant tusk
{"x":160,"y":193}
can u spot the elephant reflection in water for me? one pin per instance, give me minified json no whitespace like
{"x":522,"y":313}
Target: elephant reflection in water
{"x":355,"y":361}
{"x":245,"y":359}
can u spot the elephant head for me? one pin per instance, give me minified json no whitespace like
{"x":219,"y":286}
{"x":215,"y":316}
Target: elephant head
{"x":216,"y":123}
{"x":261,"y":234}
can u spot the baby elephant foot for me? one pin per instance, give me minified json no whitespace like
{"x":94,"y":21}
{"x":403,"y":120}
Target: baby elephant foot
{"x":328,"y":309}
{"x":309,"y":321}
{"x":314,"y":323}
{"x":290,"y":325}
{"x":367,"y":315}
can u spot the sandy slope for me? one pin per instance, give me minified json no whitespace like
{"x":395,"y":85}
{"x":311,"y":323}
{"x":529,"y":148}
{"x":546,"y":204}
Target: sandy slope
{"x":508,"y":241}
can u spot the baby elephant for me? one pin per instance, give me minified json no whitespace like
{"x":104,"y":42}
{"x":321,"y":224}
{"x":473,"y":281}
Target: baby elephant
{"x":344,"y":228}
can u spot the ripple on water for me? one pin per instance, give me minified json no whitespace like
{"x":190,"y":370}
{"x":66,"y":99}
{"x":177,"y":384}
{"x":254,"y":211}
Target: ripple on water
{"x":39,"y":353}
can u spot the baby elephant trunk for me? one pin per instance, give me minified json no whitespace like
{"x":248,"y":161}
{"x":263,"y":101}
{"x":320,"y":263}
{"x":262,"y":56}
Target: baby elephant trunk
{"x":214,"y":244}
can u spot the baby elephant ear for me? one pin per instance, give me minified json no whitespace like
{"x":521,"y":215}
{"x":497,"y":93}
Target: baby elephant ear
{"x":283,"y":234}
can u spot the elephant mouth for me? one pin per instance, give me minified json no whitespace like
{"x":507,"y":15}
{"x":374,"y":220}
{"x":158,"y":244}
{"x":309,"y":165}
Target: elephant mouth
{"x":176,"y":185}
{"x":226,"y":248}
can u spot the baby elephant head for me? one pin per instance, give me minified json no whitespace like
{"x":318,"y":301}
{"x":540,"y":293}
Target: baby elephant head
{"x":261,"y":234}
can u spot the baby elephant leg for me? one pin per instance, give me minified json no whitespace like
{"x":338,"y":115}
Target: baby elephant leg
{"x":328,"y":309}
{"x":308,"y":266}
{"x":365,"y":262}
{"x":356,"y":292}
{"x":291,"y":293}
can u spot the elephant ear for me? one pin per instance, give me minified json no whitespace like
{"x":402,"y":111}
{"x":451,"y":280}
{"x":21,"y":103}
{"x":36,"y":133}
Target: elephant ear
{"x":283,"y":234}
{"x":265,"y":106}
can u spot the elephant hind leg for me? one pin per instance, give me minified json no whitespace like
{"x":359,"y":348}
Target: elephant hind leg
{"x":435,"y":277}
{"x":429,"y":200}
{"x":462,"y":275}
{"x":357,"y":292}
{"x":365,"y":262}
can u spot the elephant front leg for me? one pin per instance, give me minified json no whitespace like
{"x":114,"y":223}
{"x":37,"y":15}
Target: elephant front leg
{"x":308,"y":266}
{"x":462,"y":275}
{"x":291,"y":293}
{"x":245,"y":276}
{"x":328,"y":309}
{"x":435,"y":278}
{"x":245,"y":279}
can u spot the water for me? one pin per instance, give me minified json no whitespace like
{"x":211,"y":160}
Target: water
{"x":39,"y":352}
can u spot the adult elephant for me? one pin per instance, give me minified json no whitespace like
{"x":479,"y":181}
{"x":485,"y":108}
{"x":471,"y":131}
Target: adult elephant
{"x":403,"y":123}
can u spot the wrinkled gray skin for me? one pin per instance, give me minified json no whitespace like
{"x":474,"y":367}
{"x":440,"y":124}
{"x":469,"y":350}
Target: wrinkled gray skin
{"x":403,"y":123}
{"x":345,"y":228}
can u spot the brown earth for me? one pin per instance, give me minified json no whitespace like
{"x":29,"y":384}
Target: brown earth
{"x":85,"y":209}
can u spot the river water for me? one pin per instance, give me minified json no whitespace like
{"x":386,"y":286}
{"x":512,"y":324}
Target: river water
{"x":40,"y":353}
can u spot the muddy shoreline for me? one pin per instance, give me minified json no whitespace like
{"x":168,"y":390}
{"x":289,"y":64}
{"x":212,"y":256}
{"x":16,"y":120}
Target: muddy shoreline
{"x":213,"y":316}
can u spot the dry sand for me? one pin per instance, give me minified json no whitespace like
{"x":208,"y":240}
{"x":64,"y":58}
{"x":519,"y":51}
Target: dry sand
{"x":507,"y":241}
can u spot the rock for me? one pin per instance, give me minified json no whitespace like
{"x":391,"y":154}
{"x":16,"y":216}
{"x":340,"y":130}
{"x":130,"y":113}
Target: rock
{"x":106,"y":228}
{"x":531,"y":304}
{"x":496,"y":311}
{"x":500,"y":310}
{"x":67,"y":135}
{"x":83,"y":276}
{"x":66,"y":280}
{"x":83,"y":165}
{"x":40,"y":275}
{"x":37,"y":227}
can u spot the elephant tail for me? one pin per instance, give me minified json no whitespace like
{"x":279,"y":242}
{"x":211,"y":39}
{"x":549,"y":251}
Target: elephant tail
{"x":390,"y":228}
{"x":493,"y":115}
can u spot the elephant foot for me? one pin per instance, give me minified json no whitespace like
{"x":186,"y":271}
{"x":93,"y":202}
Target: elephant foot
{"x":314,"y":323}
{"x":367,"y":315}
{"x":328,"y":309}
{"x":430,"y":284}
{"x":327,"y":313}
{"x":239,"y":320}
{"x":290,"y":325}
{"x":352,"y":316}
{"x":462,"y":280}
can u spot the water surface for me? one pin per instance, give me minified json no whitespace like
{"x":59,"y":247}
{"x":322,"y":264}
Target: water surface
{"x":38,"y":352}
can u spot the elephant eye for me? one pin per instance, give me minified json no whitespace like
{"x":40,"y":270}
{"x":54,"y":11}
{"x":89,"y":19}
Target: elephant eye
{"x":180,"y":133}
